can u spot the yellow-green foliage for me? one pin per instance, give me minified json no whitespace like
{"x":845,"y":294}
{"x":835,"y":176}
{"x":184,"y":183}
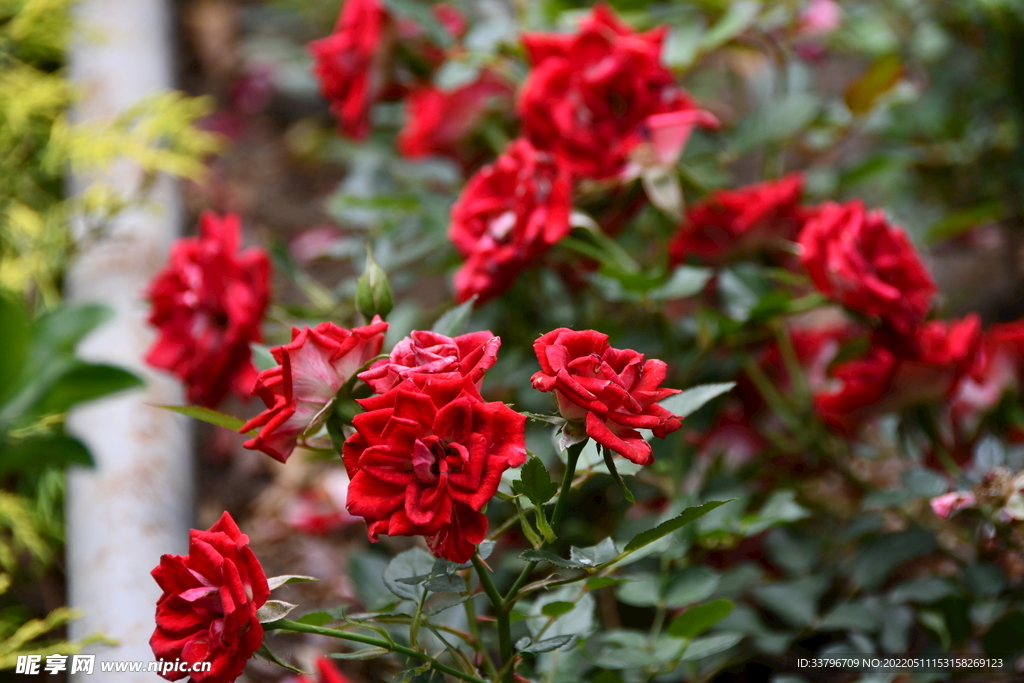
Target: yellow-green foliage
{"x":39,"y":146}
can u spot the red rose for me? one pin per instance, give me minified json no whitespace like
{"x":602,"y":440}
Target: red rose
{"x":208,"y":303}
{"x":207,"y":612}
{"x":469,"y":355}
{"x":313,"y":368}
{"x":509,"y":213}
{"x":996,"y":369}
{"x":328,"y":674}
{"x":439,"y":120}
{"x":856,"y":257}
{"x":591,"y":95}
{"x":899,"y":372}
{"x":731,"y":222}
{"x":351,"y":63}
{"x":426,"y":457}
{"x":615,"y":391}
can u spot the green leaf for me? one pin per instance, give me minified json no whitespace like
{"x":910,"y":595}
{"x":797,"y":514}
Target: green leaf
{"x":277,"y":581}
{"x":796,"y":602}
{"x":446,"y":583}
{"x":688,"y":516}
{"x":265,"y":653}
{"x":406,"y":566}
{"x":694,"y":398}
{"x":453,"y":321}
{"x":696,"y":620}
{"x":594,"y":555}
{"x":207,"y":415}
{"x":60,"y":330}
{"x":546,"y":645}
{"x":550,"y":557}
{"x":39,"y":453}
{"x":706,"y":646}
{"x":262,"y":358}
{"x":84,"y":383}
{"x":15,"y":326}
{"x":691,"y":585}
{"x":880,"y":556}
{"x":609,"y":462}
{"x":316,"y":618}
{"x":535,"y":482}
{"x":421,"y":14}
{"x":556,"y":609}
{"x":365,"y":653}
{"x":685,"y":281}
{"x":596,"y":582}
{"x":736,"y":20}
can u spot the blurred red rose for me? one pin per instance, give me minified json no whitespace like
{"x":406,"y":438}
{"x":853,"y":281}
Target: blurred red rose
{"x":615,"y":391}
{"x":468,"y":355}
{"x":426,"y":457}
{"x":440,"y":120}
{"x":590,"y":95}
{"x":328,"y":673}
{"x":320,"y":509}
{"x":995,"y":369}
{"x":351,"y":63}
{"x":207,"y":612}
{"x":312,"y":369}
{"x":508,"y":214}
{"x":208,"y":303}
{"x":856,"y":257}
{"x":732,"y":222}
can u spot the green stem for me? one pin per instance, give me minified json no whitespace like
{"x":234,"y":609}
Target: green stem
{"x":288,"y":625}
{"x":504,"y":622}
{"x":572,"y":458}
{"x":474,"y":630}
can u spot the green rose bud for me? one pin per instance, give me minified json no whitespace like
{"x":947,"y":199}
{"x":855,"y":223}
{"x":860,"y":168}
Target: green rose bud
{"x":373,"y":292}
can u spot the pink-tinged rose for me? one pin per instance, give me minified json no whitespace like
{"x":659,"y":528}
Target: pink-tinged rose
{"x":207,"y":612}
{"x":312,"y":369}
{"x":614,"y":392}
{"x":426,"y":457}
{"x":429,"y":353}
{"x":946,"y":504}
{"x":858,"y":258}
{"x":820,"y":18}
{"x":730,"y":223}
{"x":509,"y":213}
{"x":592,"y":97}
{"x":439,"y":121}
{"x":207,"y":305}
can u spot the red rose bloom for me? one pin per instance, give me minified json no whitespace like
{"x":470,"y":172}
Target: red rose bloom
{"x":440,"y":120}
{"x":590,"y":95}
{"x":614,"y":390}
{"x":351,"y":63}
{"x":509,"y":213}
{"x":429,"y":353}
{"x":731,"y":222}
{"x":207,"y":612}
{"x":312,"y":369}
{"x":995,"y":369}
{"x":856,"y":257}
{"x":426,"y":457}
{"x":208,"y":303}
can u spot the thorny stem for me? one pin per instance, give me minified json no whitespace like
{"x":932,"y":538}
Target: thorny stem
{"x":474,"y":630}
{"x":297,"y":627}
{"x":504,"y":621}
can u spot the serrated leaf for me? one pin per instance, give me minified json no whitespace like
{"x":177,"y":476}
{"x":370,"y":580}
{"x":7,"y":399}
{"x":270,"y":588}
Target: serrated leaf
{"x":453,"y":321}
{"x":408,"y":565}
{"x":546,"y":645}
{"x":706,"y":646}
{"x":688,"y":516}
{"x":597,"y":582}
{"x":694,"y":398}
{"x":485,"y":549}
{"x":696,"y":620}
{"x":207,"y":415}
{"x":285,"y":579}
{"x":273,"y":610}
{"x":550,"y":557}
{"x":535,"y":482}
